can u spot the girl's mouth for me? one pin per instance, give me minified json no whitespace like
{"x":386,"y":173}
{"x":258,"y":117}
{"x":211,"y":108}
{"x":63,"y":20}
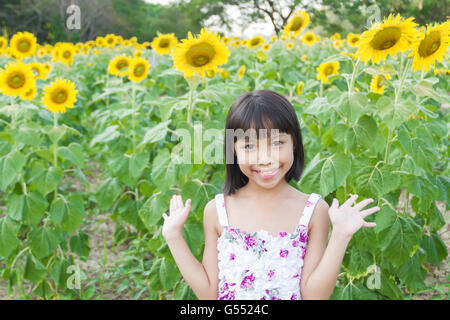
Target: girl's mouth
{"x":267,"y":174}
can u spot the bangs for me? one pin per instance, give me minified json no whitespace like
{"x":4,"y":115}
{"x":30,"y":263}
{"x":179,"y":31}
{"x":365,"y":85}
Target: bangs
{"x":259,"y":114}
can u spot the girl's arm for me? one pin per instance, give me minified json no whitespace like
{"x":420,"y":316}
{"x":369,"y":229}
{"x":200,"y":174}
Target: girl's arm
{"x":320,"y":283}
{"x":193,"y":272}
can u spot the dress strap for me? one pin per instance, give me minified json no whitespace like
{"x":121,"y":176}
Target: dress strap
{"x":222,"y":213}
{"x":309,"y":208}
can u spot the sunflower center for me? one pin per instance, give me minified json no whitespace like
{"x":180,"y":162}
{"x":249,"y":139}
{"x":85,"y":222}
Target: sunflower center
{"x":164,"y":43}
{"x":139,"y":70}
{"x":200,"y":54}
{"x":59,"y":96}
{"x":66,"y":54}
{"x":121,"y":64}
{"x":297,"y":23}
{"x":329,"y":70}
{"x":386,"y":38}
{"x":430,"y":44}
{"x":255,"y":42}
{"x":16,"y":80}
{"x":309,"y":38}
{"x":24,"y":45}
{"x":354,"y":40}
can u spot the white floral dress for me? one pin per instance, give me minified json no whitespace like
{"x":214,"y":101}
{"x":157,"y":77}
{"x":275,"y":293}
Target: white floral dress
{"x":257,"y":265}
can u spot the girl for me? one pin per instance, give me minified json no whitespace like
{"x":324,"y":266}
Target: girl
{"x":251,"y":251}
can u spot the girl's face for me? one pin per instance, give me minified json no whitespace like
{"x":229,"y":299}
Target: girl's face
{"x":265,"y":160}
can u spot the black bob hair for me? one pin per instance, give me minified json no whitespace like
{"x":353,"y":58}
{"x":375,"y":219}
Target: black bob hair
{"x":261,"y":109}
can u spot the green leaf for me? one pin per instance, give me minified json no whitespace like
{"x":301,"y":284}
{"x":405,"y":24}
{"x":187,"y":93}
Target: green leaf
{"x":107,"y":193}
{"x":28,"y":135}
{"x":412,"y":275}
{"x":8,"y":237}
{"x":109,"y":134}
{"x":46,"y":179}
{"x":163,"y":171}
{"x":169,"y":274}
{"x":394,"y":115}
{"x":155,"y":133}
{"x":79,"y":244}
{"x":152,"y":210}
{"x":28,"y":208}
{"x":435,"y":249}
{"x":68,"y":213}
{"x":10,"y":168}
{"x":73,"y":153}
{"x":34,"y":269}
{"x":43,"y":241}
{"x":397,"y":242}
{"x":154,"y":275}
{"x":327,"y":174}
{"x":423,"y":155}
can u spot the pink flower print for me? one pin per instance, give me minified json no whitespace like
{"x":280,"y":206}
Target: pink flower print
{"x":283,"y":234}
{"x":247,"y":282}
{"x":263,"y":298}
{"x":303,"y":237}
{"x":296,"y":275}
{"x":270,"y":275}
{"x":234,"y":233}
{"x":223,"y":204}
{"x":284,"y":253}
{"x":294,"y":296}
{"x":309,"y":203}
{"x":275,"y":298}
{"x":232,"y":256}
{"x":303,"y":250}
{"x":294,"y":243}
{"x":250,"y":241}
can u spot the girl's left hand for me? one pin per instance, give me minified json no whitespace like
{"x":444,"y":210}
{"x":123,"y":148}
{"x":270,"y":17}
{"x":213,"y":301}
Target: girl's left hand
{"x":346,"y":220}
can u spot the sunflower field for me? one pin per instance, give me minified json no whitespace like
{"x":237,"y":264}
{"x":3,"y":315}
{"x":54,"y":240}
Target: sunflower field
{"x":89,"y":151}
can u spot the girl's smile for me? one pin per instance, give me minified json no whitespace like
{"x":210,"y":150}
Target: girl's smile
{"x":267,"y":174}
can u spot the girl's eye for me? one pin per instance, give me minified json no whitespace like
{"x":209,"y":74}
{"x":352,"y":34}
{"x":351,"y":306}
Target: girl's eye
{"x":279,"y":142}
{"x":247,"y":146}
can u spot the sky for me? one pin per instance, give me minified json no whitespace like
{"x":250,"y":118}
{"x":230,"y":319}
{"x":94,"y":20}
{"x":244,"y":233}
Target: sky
{"x":262,"y":29}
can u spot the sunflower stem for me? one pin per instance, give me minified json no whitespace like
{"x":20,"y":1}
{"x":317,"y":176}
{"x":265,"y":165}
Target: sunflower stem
{"x":397,"y":96}
{"x":13,"y":113}
{"x":321,"y":89}
{"x":352,"y":81}
{"x":133,"y":97}
{"x":55,"y":148}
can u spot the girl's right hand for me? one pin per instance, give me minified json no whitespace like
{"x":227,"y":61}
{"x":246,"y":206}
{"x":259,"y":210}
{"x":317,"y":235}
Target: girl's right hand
{"x":173,"y":223}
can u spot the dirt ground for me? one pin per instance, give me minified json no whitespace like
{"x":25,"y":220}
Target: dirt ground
{"x":104,"y":254}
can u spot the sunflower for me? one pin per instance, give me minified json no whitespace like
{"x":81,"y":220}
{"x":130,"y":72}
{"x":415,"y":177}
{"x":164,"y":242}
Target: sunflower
{"x":336,"y":36}
{"x":273,"y":38}
{"x":392,"y":36}
{"x":299,"y":87}
{"x":23,"y":45}
{"x":59,"y":95}
{"x":241,"y":72}
{"x":196,"y":55}
{"x":431,"y":47}
{"x":110,"y":40}
{"x":297,"y":23}
{"x":224,"y":74}
{"x":30,"y":94}
{"x":3,"y":43}
{"x":326,"y":69}
{"x":308,"y":38}
{"x":226,"y":39}
{"x":261,"y":56}
{"x":65,"y":53}
{"x":164,"y":43}
{"x":118,"y":63}
{"x":100,"y":42}
{"x":255,"y":42}
{"x":338,"y":44}
{"x":17,"y":79}
{"x":138,"y":53}
{"x":353,"y":39}
{"x":375,"y":84}
{"x":210,"y":73}
{"x":138,"y":69}
{"x":265,"y":47}
{"x":289,"y":45}
{"x":38,"y":70}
